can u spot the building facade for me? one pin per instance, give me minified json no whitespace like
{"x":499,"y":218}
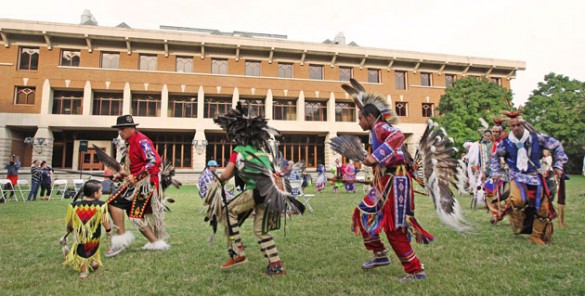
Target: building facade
{"x":64,"y":85}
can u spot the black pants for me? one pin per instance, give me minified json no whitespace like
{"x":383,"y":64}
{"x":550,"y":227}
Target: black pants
{"x":46,"y":187}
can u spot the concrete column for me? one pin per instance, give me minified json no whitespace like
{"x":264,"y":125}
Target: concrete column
{"x":330,"y":156}
{"x":43,"y":150}
{"x":87,"y":98}
{"x":331,"y":108}
{"x":235,"y":97}
{"x":46,"y":96}
{"x":268,"y":105}
{"x":301,"y":106}
{"x":127,"y":99}
{"x":199,"y":160}
{"x":200,"y":102}
{"x":5,"y":144}
{"x":164,"y":102}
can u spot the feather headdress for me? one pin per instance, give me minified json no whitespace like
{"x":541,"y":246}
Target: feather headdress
{"x":244,"y":129}
{"x":362,"y":99}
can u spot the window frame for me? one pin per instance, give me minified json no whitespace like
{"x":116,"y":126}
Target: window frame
{"x":190,"y":63}
{"x":74,"y":99}
{"x":139,"y":99}
{"x":112,"y":62}
{"x":313,"y":69}
{"x":431,"y":107}
{"x":19,"y":89}
{"x":348,"y":110}
{"x":282,"y":70}
{"x":401,"y":109}
{"x":112,"y":98}
{"x":219,"y":66}
{"x":222,"y":104}
{"x":429,"y":79}
{"x":321,"y":115}
{"x":279,"y":107}
{"x":32,"y":64}
{"x":76,"y":53}
{"x":377,"y":71}
{"x":253,"y":68}
{"x":147,"y":62}
{"x":343,"y":73}
{"x":450,"y":83}
{"x":402,"y":80}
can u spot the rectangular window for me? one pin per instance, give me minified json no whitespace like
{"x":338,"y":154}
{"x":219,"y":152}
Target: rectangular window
{"x":110,"y":60}
{"x":213,"y":106}
{"x":252,"y":68}
{"x":373,"y":76}
{"x":105,"y":103}
{"x":182,"y":106}
{"x":148,"y":62}
{"x":400,"y":78}
{"x":316,"y":72}
{"x":496,"y":80}
{"x":67,"y":102}
{"x":174,"y":147}
{"x":315,"y":111}
{"x":344,"y":112}
{"x":284,"y":109}
{"x":255,"y":107}
{"x":426,"y":79}
{"x":401,"y":109}
{"x":308,"y":149}
{"x":449,"y":79}
{"x":28,"y":59}
{"x":344,"y":73}
{"x":285,"y":70}
{"x":218,"y":148}
{"x":427,"y":110}
{"x":24,"y":95}
{"x":219,"y":66}
{"x":146,"y":105}
{"x":70,"y":58}
{"x":184,"y":64}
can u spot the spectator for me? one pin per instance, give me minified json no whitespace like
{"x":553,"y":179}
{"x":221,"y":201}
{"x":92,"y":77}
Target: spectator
{"x":207,"y":176}
{"x":35,"y":180}
{"x":11,"y":167}
{"x":46,"y":180}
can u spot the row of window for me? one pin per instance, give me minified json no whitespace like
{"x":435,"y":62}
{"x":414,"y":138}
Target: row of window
{"x":29,"y":59}
{"x":185,"y":106}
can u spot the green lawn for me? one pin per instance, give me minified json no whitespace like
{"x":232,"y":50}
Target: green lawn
{"x":321,"y":254}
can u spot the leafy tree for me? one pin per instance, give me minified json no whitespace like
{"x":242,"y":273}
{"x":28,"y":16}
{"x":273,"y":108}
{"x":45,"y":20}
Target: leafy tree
{"x":556,"y":108}
{"x":468,"y":100}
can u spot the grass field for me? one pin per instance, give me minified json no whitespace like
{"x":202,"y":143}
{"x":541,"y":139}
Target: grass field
{"x":322,"y":256}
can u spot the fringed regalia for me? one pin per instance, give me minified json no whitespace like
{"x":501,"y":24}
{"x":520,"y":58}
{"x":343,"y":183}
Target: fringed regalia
{"x":531,"y":212}
{"x":263,"y":193}
{"x":389,"y":205}
{"x":85,"y":217}
{"x":321,"y":178}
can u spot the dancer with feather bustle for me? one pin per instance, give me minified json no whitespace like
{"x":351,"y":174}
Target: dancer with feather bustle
{"x":531,"y":212}
{"x":252,"y":160}
{"x":387,"y":207}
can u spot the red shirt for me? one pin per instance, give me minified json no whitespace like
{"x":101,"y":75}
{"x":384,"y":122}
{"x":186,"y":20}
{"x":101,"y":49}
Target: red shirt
{"x":142,"y":156}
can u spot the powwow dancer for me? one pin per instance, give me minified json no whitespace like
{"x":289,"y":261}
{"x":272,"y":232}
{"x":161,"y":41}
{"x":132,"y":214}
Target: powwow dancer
{"x":84,"y":220}
{"x":263,"y":191}
{"x":531,"y":212}
{"x":497,"y":194}
{"x":140,"y":194}
{"x":389,"y":206}
{"x":321,"y":178}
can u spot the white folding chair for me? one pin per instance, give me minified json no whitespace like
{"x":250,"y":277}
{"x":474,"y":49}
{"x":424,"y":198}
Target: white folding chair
{"x":297,"y":185}
{"x":60,"y":184}
{"x":77,"y":184}
{"x":364,"y":186}
{"x":23,"y":187}
{"x":6,"y":189}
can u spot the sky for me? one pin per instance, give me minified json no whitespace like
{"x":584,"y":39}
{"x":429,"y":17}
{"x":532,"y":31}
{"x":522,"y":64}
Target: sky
{"x":544,"y":34}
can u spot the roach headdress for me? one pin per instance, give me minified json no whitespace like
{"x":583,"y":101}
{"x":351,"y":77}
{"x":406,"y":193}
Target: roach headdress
{"x":362,"y":99}
{"x":244,"y":129}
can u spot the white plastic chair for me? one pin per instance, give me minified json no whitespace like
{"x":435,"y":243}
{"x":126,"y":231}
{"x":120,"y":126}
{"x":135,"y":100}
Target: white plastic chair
{"x":23,"y":187}
{"x":6,"y":187}
{"x":306,"y":198}
{"x":60,"y":185}
{"x":78,"y":183}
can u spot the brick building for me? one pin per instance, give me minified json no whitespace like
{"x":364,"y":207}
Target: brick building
{"x":63,"y":84}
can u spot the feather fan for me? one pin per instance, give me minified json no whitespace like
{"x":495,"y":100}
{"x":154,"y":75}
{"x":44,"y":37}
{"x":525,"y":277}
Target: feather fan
{"x":437,"y":169}
{"x":349,"y":146}
{"x":106,"y":159}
